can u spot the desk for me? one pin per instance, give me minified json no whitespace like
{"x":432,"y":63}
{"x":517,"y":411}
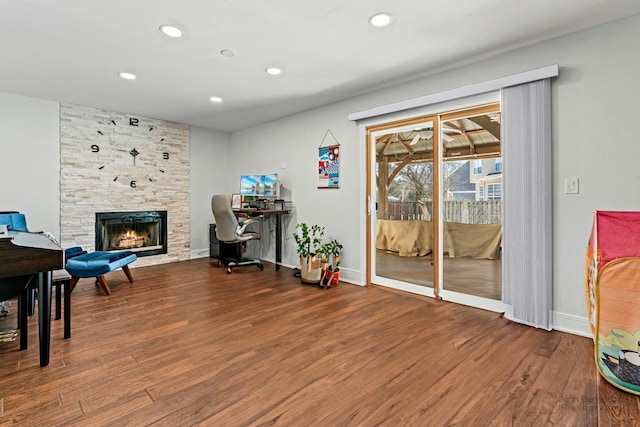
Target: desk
{"x":270,"y":212}
{"x":24,"y":253}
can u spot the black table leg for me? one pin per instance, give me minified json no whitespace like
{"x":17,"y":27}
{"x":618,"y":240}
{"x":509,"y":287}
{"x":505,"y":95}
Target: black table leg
{"x":67,"y":308}
{"x":23,"y":309}
{"x":44,"y":315}
{"x":278,"y":241}
{"x":58,"y":301}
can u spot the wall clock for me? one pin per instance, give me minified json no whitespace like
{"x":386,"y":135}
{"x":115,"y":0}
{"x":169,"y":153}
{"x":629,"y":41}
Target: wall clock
{"x":130,"y":150}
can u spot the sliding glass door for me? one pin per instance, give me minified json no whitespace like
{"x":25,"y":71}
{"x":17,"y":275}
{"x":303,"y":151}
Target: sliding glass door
{"x":402,"y":193}
{"x":436,"y":210}
{"x":472,"y":207}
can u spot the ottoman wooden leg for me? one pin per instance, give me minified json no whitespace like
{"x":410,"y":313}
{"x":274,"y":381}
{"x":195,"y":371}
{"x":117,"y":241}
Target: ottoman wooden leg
{"x":74,"y":282}
{"x":103,"y":284}
{"x":126,"y":270}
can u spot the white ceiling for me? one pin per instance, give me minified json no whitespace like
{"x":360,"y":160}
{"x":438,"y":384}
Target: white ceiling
{"x":73,"y":50}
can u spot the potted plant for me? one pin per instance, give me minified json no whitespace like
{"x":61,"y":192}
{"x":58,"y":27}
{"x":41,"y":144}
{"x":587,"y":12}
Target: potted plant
{"x":309,"y":241}
{"x":330,"y":254}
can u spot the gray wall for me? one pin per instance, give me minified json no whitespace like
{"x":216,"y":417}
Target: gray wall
{"x":595,"y":109}
{"x":210,"y":174}
{"x":30,"y":167}
{"x":30,"y":160}
{"x":595,"y":113}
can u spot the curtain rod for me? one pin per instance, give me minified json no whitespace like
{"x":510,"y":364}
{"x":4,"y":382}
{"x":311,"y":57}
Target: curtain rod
{"x":461,"y":92}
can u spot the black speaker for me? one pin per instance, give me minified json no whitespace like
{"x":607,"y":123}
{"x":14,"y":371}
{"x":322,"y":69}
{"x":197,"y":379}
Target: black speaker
{"x":230,"y":252}
{"x":214,"y":243}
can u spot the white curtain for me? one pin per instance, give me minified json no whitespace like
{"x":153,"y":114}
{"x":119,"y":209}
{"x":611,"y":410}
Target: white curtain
{"x":527,"y":195}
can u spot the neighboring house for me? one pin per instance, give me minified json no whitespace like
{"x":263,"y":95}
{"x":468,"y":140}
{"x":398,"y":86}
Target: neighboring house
{"x":486,"y":175}
{"x":461,"y":188}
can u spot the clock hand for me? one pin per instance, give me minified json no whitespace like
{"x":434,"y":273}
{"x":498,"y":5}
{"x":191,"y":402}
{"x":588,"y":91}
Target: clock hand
{"x":134,"y":153}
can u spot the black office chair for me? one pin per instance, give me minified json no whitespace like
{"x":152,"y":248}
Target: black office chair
{"x":232,"y":234}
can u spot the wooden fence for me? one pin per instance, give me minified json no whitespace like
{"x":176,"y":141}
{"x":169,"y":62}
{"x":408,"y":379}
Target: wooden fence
{"x":462,"y":211}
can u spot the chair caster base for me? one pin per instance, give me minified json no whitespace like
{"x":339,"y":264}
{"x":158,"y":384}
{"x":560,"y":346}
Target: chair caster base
{"x":231,"y":264}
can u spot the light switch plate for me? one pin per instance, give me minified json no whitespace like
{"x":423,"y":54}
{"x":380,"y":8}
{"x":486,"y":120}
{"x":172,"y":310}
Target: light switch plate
{"x":571,"y":186}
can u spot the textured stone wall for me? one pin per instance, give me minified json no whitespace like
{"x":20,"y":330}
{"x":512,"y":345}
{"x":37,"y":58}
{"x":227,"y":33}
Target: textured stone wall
{"x":112,"y":162}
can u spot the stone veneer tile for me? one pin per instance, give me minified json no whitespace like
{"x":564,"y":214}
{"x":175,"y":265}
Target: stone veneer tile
{"x":95,"y":148}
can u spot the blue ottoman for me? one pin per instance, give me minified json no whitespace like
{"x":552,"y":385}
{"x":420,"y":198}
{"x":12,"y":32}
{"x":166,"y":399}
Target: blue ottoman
{"x":97,"y":264}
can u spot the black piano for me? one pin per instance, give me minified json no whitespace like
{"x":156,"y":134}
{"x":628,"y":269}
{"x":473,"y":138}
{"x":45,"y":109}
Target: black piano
{"x":28,"y":256}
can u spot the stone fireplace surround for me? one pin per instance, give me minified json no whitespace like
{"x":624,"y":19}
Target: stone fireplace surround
{"x":87,"y":177}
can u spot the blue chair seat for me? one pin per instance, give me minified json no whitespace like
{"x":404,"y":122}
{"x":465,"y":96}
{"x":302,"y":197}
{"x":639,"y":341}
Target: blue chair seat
{"x":97,"y":264}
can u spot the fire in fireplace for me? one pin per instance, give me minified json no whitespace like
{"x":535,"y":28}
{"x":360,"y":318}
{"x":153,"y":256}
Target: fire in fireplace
{"x":143,"y":232}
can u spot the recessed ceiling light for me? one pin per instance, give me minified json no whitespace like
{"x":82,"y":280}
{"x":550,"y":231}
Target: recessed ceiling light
{"x":215,"y":99}
{"x":127,"y":76}
{"x":380,"y":19}
{"x":171,"y":31}
{"x":228,"y":53}
{"x":273,"y":71}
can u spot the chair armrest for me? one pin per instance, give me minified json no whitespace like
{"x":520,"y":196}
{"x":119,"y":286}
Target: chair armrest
{"x":243,"y":225}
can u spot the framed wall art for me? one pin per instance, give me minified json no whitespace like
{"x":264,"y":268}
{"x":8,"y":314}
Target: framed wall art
{"x":329,"y":164}
{"x":236,"y":201}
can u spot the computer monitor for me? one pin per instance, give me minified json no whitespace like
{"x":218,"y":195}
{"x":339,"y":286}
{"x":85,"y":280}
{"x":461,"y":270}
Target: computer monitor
{"x":259,"y":185}
{"x":271,"y":185}
{"x":252,"y":185}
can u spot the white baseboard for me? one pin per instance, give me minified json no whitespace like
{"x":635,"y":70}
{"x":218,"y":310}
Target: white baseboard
{"x":349,"y":275}
{"x":577,"y":325}
{"x":199,"y":253}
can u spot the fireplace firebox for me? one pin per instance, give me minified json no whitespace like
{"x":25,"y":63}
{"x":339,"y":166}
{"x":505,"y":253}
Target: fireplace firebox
{"x":143,"y":232}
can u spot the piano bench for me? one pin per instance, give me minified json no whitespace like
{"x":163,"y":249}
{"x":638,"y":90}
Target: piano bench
{"x":59,"y":279}
{"x":97,"y":264}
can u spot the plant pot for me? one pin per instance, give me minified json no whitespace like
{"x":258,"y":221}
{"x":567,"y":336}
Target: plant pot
{"x":310,"y":269}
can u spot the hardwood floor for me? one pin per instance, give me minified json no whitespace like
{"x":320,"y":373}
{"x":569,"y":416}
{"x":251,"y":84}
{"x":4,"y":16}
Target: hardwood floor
{"x":187,"y":344}
{"x":479,"y":277}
